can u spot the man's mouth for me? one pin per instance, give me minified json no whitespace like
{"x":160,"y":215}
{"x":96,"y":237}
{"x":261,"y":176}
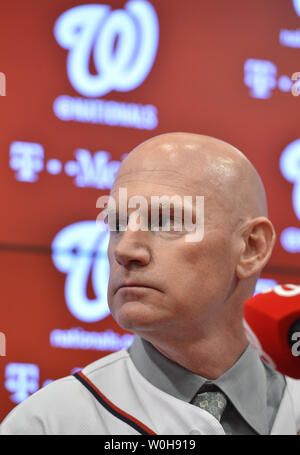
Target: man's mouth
{"x":135,"y":285}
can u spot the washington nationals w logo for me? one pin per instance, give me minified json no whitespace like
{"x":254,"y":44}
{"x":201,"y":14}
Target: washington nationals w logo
{"x":122,"y":44}
{"x":79,"y":251}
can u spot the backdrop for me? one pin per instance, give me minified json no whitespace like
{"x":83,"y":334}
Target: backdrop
{"x":81,"y":84}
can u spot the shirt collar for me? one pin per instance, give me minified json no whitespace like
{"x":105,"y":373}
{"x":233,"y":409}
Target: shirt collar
{"x":245,"y":383}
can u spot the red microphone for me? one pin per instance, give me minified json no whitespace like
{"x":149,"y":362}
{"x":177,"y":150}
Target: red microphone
{"x":272,"y":324}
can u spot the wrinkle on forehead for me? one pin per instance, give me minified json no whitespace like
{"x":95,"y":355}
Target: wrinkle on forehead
{"x":200,"y":163}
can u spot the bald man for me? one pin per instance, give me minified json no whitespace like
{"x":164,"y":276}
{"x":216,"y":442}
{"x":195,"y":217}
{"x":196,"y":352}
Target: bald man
{"x":190,"y":369}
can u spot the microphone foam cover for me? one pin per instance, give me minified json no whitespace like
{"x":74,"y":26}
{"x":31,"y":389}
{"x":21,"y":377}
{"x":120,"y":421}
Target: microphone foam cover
{"x":271,"y":321}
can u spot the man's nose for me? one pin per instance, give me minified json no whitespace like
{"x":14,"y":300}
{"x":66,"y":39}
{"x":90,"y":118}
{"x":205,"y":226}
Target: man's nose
{"x":133,"y":248}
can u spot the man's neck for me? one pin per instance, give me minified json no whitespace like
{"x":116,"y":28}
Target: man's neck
{"x":209,"y":358}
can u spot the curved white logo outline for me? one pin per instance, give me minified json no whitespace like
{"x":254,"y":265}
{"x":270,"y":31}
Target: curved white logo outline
{"x":296,"y":4}
{"x":122,"y":64}
{"x":78,"y":251}
{"x":290,"y":168}
{"x":289,"y":164}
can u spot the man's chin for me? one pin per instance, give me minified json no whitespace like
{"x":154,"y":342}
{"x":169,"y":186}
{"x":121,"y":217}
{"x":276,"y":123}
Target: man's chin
{"x":135,"y":317}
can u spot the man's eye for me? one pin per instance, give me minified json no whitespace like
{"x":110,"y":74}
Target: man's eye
{"x":118,"y":226}
{"x":165,"y":221}
{"x":169,"y":223}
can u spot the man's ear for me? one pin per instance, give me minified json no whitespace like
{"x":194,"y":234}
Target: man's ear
{"x":258,"y":239}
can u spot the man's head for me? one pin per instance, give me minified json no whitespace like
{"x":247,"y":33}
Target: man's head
{"x":189,"y":289}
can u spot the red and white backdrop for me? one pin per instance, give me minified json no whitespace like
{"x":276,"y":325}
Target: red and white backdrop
{"x":85,"y":83}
